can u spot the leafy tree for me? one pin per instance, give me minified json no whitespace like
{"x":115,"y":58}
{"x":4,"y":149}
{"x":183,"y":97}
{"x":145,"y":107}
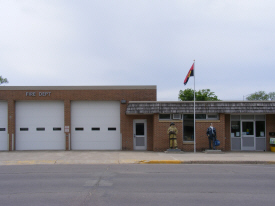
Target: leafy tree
{"x":3,"y":80}
{"x":271,"y":95}
{"x":261,"y":95}
{"x":201,"y":95}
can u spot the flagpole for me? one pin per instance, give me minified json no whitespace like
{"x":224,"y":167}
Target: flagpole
{"x":194,"y":109}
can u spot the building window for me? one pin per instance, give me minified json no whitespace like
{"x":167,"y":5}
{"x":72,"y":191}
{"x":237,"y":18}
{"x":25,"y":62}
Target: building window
{"x":164,"y":116}
{"x":248,"y":125}
{"x":176,"y":116}
{"x":200,"y":116}
{"x":247,"y":128}
{"x":260,"y":128}
{"x":188,"y":127}
{"x":189,"y":116}
{"x":212,"y":116}
{"x":235,"y":128}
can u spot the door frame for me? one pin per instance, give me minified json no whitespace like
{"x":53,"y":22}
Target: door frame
{"x":244,"y":148}
{"x":145,"y":134}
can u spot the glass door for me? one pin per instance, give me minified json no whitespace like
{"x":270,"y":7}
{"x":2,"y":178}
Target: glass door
{"x":140,"y":134}
{"x":248,"y":136}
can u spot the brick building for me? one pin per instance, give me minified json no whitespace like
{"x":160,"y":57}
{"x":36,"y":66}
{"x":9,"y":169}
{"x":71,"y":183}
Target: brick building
{"x":124,"y":118}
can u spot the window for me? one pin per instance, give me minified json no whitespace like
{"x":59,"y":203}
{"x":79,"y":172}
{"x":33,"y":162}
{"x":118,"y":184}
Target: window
{"x":95,"y":128}
{"x":164,"y":116}
{"x":260,"y":128}
{"x":24,"y":129}
{"x":200,"y":116}
{"x":40,"y":129}
{"x":235,"y":117}
{"x":139,"y":129}
{"x":188,"y":127}
{"x":111,"y":128}
{"x":243,"y":125}
{"x":235,"y":128}
{"x":188,"y":116}
{"x":79,"y":129}
{"x":244,"y":117}
{"x":57,"y":129}
{"x":212,"y":116}
{"x":2,"y":129}
{"x":248,"y":128}
{"x":176,"y":116}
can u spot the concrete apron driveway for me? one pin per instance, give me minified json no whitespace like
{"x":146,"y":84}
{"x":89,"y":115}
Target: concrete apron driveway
{"x":133,"y":157}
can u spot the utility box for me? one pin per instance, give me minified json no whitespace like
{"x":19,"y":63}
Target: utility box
{"x":272,"y":144}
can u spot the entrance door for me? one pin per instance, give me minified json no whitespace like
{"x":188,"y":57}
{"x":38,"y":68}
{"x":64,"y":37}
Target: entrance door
{"x":140,"y":134}
{"x":248,"y":136}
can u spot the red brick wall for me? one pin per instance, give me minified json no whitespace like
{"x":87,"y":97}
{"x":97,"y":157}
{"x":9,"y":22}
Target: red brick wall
{"x":157,"y":137}
{"x":11,"y":96}
{"x":161,"y":141}
{"x":127,"y":131}
{"x":270,"y":127}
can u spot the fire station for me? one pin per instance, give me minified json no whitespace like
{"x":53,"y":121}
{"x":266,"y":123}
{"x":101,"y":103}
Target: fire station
{"x":125,"y":118}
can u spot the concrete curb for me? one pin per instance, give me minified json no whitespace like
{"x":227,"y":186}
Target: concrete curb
{"x":91,"y":162}
{"x":202,"y":162}
{"x":160,"y":162}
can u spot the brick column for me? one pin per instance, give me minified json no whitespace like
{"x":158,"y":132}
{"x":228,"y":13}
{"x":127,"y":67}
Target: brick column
{"x":67,"y":121}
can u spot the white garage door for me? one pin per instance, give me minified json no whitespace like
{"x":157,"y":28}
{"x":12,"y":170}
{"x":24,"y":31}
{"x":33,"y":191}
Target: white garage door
{"x":40,"y":125}
{"x":3,"y":126}
{"x":95,"y":125}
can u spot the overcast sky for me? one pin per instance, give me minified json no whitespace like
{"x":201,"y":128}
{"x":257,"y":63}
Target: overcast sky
{"x":142,"y":42}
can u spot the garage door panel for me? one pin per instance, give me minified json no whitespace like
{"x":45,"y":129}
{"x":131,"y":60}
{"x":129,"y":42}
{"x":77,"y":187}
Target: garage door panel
{"x":95,"y":125}
{"x":97,"y":145}
{"x":38,"y":145}
{"x":38,"y":120}
{"x":3,"y":126}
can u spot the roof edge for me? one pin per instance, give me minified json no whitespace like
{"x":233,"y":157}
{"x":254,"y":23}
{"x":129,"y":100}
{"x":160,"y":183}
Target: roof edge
{"x":178,"y":102}
{"x":114,"y":87}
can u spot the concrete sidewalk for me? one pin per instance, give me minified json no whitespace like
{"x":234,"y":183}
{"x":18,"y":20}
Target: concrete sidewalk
{"x":133,"y":157}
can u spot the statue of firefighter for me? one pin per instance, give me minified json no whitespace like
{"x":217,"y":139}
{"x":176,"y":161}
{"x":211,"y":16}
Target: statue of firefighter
{"x":172,"y":132}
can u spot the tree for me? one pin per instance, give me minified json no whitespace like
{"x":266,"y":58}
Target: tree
{"x":271,"y":95}
{"x":3,"y":80}
{"x":201,"y":95}
{"x":261,"y":95}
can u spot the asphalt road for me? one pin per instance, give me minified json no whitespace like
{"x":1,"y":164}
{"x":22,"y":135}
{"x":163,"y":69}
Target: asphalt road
{"x":137,"y":185}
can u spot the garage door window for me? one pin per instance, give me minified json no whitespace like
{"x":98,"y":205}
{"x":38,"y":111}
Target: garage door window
{"x":40,"y":129}
{"x":24,"y":129}
{"x":79,"y":129}
{"x":2,"y":129}
{"x":57,"y":129}
{"x":95,"y":128}
{"x":111,"y":129}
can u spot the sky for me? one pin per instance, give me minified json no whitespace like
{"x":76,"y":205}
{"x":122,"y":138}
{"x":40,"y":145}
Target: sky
{"x":140,"y":42}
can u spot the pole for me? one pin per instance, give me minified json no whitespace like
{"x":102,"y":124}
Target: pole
{"x":194,"y":110}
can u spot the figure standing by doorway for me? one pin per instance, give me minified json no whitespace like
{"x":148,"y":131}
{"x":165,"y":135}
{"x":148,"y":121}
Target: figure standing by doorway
{"x":172,"y":132}
{"x":211,"y":134}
